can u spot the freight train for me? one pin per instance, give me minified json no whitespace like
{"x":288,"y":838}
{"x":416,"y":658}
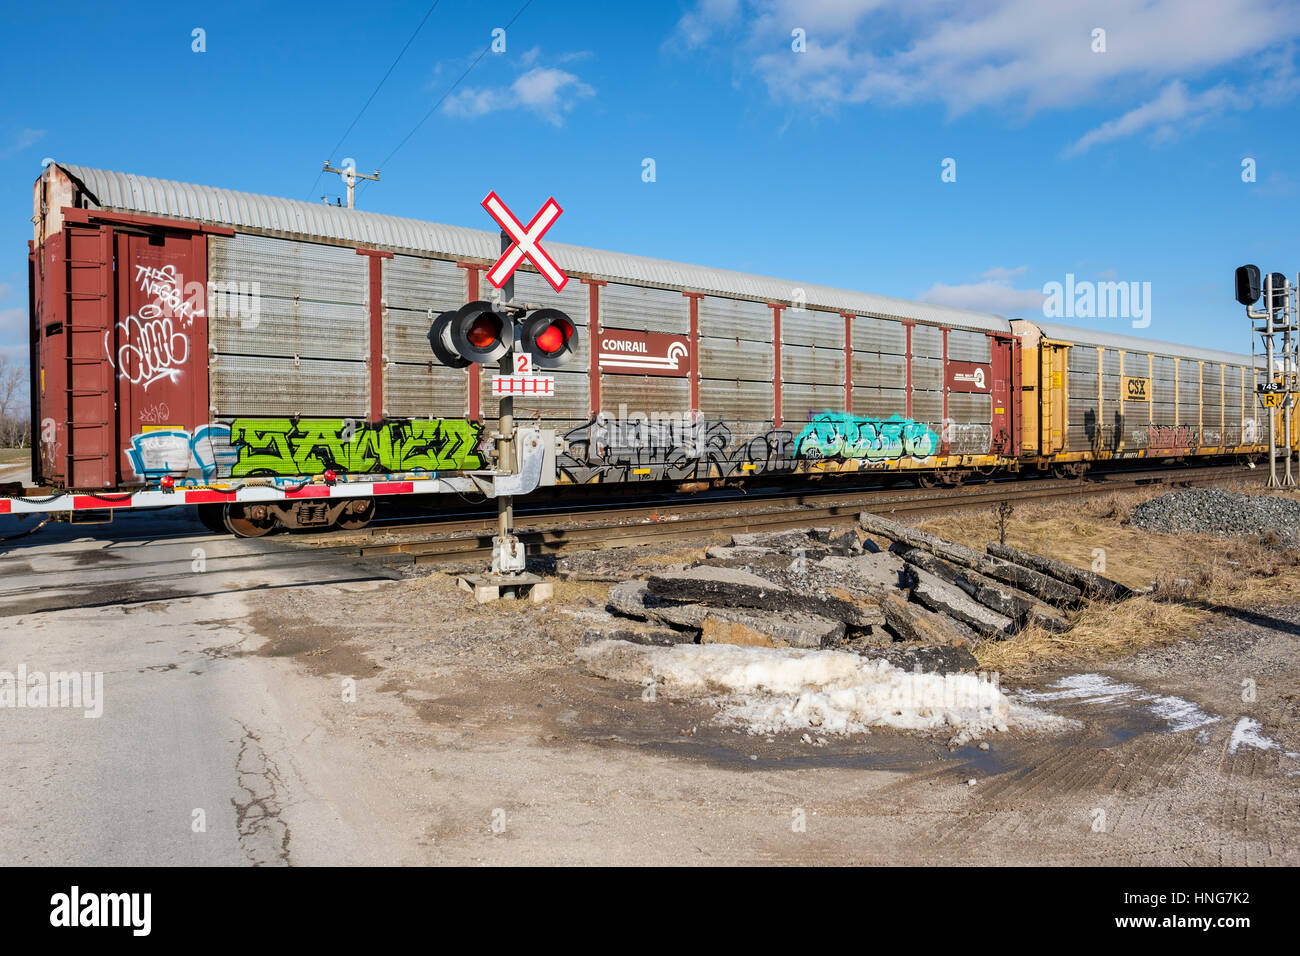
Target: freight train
{"x":269,"y":361}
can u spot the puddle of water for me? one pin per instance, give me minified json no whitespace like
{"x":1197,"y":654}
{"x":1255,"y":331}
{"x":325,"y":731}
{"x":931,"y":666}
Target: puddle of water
{"x":793,"y":754}
{"x":94,"y":558}
{"x":883,"y":750}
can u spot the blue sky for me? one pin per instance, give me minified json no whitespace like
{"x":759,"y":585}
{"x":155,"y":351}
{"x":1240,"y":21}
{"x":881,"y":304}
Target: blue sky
{"x":821,"y":166}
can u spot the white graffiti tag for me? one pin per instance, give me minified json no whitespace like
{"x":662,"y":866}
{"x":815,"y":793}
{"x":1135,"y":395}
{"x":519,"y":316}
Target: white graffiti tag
{"x":151,"y":349}
{"x":164,"y":284}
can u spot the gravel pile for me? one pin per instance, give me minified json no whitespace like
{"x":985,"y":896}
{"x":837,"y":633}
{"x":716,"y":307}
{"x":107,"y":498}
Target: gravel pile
{"x":1224,"y":513}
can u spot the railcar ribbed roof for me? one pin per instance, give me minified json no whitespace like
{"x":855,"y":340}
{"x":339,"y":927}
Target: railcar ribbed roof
{"x":295,"y":218}
{"x":1133,"y":343}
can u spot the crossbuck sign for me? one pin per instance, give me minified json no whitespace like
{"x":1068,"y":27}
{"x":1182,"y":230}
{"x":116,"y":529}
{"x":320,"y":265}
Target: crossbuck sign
{"x":526,"y":242}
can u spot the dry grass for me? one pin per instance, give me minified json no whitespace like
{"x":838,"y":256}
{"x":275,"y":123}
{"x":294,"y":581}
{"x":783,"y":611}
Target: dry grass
{"x":1100,"y":631}
{"x":1191,"y":575}
{"x":15,"y":456}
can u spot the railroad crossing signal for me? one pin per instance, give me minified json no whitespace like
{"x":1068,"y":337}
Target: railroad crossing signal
{"x":526,"y":242}
{"x":482,"y":334}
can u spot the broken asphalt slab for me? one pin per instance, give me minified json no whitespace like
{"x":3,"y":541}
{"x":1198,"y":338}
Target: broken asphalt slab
{"x":739,"y":588}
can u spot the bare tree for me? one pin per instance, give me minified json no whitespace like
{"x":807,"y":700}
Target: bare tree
{"x":14,"y":422}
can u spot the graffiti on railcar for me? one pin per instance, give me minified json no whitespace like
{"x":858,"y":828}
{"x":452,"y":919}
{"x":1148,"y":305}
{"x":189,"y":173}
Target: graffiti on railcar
{"x":204,"y":452}
{"x":670,"y":447}
{"x":1163,"y":438}
{"x":174,"y":297}
{"x":283,"y":446}
{"x":153,"y":345}
{"x":151,"y":350}
{"x":841,"y":435}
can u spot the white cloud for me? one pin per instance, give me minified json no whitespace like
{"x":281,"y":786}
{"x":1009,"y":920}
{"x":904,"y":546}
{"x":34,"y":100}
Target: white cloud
{"x":1160,"y":114}
{"x":25,"y":138}
{"x":698,"y":26}
{"x":548,"y":92}
{"x":1175,"y":111}
{"x":1023,"y":55}
{"x":995,"y":295}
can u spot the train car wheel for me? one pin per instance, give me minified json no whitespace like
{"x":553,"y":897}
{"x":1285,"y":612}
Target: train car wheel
{"x":927,"y":479}
{"x":1073,"y":470}
{"x":211,"y":518}
{"x":357,"y":514}
{"x":244,"y":522}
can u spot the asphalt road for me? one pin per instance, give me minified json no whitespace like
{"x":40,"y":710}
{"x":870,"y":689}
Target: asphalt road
{"x":196,"y":754}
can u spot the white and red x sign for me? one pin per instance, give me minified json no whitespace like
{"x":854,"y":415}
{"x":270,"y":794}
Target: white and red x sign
{"x":525,"y":242}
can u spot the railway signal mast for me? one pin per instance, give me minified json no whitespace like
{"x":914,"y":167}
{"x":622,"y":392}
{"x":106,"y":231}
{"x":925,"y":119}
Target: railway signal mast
{"x":517,"y":337}
{"x":1280,"y":388}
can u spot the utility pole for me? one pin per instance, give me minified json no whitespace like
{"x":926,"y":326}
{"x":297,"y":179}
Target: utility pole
{"x":349,"y":175}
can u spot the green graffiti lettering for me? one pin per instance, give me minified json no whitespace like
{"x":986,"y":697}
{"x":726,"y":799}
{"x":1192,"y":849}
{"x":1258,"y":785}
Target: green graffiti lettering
{"x":263,"y":446}
{"x":279,"y":446}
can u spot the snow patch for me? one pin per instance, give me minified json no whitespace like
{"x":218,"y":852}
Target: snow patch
{"x":1247,"y":733}
{"x":767,"y":690}
{"x":1099,"y":689}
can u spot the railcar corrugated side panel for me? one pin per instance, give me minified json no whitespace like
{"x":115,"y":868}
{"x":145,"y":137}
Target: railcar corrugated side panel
{"x":223,"y":346}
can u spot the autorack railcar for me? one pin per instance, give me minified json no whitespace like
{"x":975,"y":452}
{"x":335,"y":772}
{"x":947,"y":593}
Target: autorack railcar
{"x":268,"y":360}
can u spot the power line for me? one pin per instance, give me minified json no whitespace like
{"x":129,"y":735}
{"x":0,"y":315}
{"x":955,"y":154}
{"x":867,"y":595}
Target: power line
{"x":374,"y":92}
{"x":451,"y":89}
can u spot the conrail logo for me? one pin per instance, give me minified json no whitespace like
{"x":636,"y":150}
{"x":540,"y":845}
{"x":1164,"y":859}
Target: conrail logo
{"x":629,"y":352}
{"x":622,"y":345}
{"x":1137,"y":389}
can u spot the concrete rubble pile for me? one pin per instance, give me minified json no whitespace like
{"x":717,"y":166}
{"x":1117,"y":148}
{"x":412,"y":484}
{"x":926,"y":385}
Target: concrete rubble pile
{"x":925,"y":602}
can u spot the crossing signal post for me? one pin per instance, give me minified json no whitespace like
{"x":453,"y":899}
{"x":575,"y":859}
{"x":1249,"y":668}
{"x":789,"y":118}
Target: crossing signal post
{"x":519,"y":338}
{"x":1280,"y":388}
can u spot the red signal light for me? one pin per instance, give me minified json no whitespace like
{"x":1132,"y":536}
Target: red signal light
{"x":554,"y":337}
{"x":478,"y":333}
{"x":483,"y":331}
{"x":550,"y":337}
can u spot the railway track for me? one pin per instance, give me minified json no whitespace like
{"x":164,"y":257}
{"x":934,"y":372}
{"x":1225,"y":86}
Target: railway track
{"x":132,"y":571}
{"x":629,"y":527}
